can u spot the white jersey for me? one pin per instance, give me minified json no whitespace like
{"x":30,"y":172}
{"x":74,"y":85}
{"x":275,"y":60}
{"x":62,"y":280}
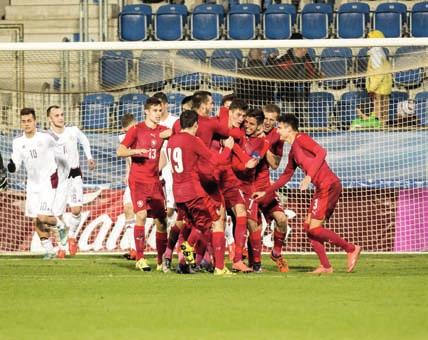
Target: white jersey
{"x":70,"y":137}
{"x":169,"y":121}
{"x":38,"y":153}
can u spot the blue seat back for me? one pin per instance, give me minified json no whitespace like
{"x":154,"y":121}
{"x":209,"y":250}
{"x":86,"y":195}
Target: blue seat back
{"x":394,"y":98}
{"x":96,"y":109}
{"x":217,"y":98}
{"x":283,"y":8}
{"x":408,"y":55}
{"x":206,"y":21}
{"x":134,"y":21}
{"x":174,"y":102}
{"x":319,"y":8}
{"x":356,"y":7}
{"x":419,"y":20}
{"x":278,"y":22}
{"x":229,"y":60}
{"x":242,"y":21}
{"x":347,"y":106}
{"x":186,"y":78}
{"x":320,"y":107}
{"x":389,"y":17}
{"x":247,"y":8}
{"x":421,"y":107}
{"x":315,"y":21}
{"x":352,"y":19}
{"x":170,"y":21}
{"x":114,"y":68}
{"x":335,"y":62}
{"x":132,"y":103}
{"x":397,"y":7}
{"x":151,"y":69}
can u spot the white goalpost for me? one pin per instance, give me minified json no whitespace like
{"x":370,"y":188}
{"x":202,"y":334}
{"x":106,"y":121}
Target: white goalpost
{"x":376,"y":141}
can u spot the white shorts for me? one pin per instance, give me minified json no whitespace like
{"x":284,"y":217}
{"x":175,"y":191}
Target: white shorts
{"x":127,"y":196}
{"x":169,"y":196}
{"x":62,"y":192}
{"x":40,"y":203}
{"x":75,"y":192}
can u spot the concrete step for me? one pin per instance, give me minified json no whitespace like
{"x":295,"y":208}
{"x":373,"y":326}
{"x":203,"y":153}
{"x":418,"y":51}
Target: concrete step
{"x":57,"y":24}
{"x":50,"y":12}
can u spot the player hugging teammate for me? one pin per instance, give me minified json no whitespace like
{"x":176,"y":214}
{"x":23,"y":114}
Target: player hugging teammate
{"x":186,"y":174}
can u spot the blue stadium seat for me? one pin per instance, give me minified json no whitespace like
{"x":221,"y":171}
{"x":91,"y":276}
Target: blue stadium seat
{"x":419,"y":20}
{"x":315,"y":20}
{"x":389,"y":18}
{"x":406,"y":56}
{"x":131,"y":103}
{"x":394,"y":98}
{"x":114,"y":68}
{"x":96,"y":109}
{"x":242,"y":21}
{"x":228,"y":60}
{"x":421,"y":107}
{"x":174,"y":103}
{"x":134,"y":21}
{"x":347,"y":106}
{"x":205,"y":22}
{"x":352,"y":19}
{"x":169,"y":22}
{"x":185,"y":78}
{"x":335,"y":62}
{"x":278,"y":21}
{"x":151,"y":69}
{"x":320,"y":107}
{"x":217,"y":98}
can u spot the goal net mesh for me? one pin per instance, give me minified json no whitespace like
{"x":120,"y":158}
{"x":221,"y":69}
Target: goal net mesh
{"x":367,"y":106}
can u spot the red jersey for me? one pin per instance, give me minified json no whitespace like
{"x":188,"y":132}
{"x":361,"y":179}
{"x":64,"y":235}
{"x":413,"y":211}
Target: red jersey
{"x":309,"y":156}
{"x":262,"y":181}
{"x":145,"y":168}
{"x":185,"y":151}
{"x":255,"y":147}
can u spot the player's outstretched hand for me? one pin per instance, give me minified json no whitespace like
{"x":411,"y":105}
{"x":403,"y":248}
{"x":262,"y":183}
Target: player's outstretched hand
{"x":304,"y":184}
{"x":258,"y":195}
{"x":141,"y":152}
{"x":92,"y":164}
{"x":165,"y":134}
{"x":228,"y":143}
{"x":252,"y":163}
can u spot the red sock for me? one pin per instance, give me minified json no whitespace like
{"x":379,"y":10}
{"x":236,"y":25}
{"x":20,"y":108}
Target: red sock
{"x":240,"y":231}
{"x":172,"y":241}
{"x":139,"y":241}
{"x":194,"y":237}
{"x":278,"y":241}
{"x":256,"y":244}
{"x":328,"y":235}
{"x":186,"y":231}
{"x":318,"y":247}
{"x":161,"y":241}
{"x":219,"y":245}
{"x":201,"y":248}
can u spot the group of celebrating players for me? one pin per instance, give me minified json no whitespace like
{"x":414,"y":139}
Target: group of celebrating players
{"x":186,"y":173}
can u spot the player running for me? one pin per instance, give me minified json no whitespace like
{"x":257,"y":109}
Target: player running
{"x":185,"y":151}
{"x":70,"y":192}
{"x":143,"y":143}
{"x":309,"y":156}
{"x":37,"y":151}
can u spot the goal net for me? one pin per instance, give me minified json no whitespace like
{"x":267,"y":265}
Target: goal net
{"x":364,"y":100}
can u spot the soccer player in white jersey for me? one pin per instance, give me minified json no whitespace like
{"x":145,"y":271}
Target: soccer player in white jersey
{"x":72,"y":193}
{"x":168,"y":121}
{"x":128,"y":121}
{"x":37,"y":151}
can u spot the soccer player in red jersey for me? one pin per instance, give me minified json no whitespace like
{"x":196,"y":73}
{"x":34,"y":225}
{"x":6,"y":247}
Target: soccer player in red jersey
{"x":256,"y":147}
{"x":270,"y":206}
{"x":309,"y":156}
{"x":143,"y":143}
{"x":185,"y":151}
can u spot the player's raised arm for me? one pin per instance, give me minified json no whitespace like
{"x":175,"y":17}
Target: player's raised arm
{"x":215,"y":158}
{"x":84,"y":141}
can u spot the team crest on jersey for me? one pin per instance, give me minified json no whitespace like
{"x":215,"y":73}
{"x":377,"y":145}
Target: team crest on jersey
{"x":140,"y":203}
{"x":153,"y":143}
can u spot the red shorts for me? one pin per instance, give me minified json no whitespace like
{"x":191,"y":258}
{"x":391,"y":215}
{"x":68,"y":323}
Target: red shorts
{"x":148,"y":196}
{"x":269,"y":205}
{"x":232,"y":197}
{"x":212,"y":189}
{"x":252,"y":208}
{"x":199,"y":212}
{"x":324,"y":201}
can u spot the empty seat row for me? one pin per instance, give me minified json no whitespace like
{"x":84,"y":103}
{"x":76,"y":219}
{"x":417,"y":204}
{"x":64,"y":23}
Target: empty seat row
{"x":243,"y":22}
{"x":98,"y":108}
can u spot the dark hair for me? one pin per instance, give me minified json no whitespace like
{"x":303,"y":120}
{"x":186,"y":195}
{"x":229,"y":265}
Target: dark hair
{"x":289,"y":119}
{"x":226,"y":98}
{"x":50,"y":108}
{"x":199,"y":98}
{"x":127,"y":119}
{"x":296,"y":36}
{"x":238,"y":104}
{"x":152,"y":101}
{"x":28,"y":111}
{"x":272,"y":108}
{"x":257,"y":114}
{"x":162,"y":97}
{"x":187,"y":99}
{"x":188,"y":118}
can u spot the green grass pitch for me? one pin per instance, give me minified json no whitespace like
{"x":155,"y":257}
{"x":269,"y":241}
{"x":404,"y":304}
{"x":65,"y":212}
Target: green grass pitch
{"x":103,"y":297}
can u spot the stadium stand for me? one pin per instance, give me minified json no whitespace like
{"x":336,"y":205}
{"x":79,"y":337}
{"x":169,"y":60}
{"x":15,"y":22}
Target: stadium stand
{"x":278,"y":21}
{"x":242,"y":22}
{"x":315,"y":21}
{"x":170,"y":21}
{"x":352,"y":19}
{"x":96,"y":110}
{"x":134,"y":22}
{"x":419,"y":20}
{"x":131,"y":103}
{"x":206,"y":21}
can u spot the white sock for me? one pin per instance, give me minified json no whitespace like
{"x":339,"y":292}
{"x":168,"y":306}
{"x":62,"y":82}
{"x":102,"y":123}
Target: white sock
{"x":171,"y":220}
{"x":74,"y":224}
{"x":59,"y":223}
{"x":130,"y":234}
{"x":47,"y":244}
